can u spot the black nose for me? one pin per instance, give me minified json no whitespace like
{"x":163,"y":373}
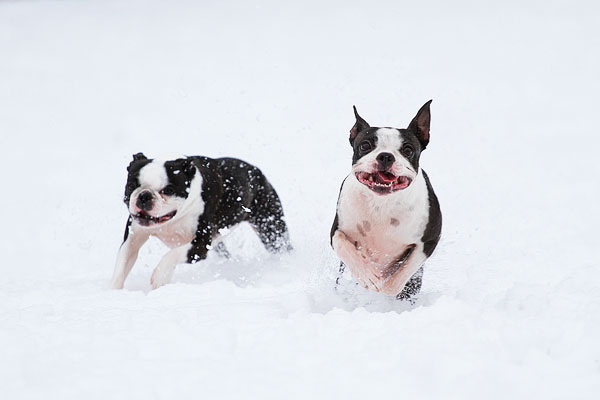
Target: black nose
{"x":385,"y":159}
{"x":144,"y":201}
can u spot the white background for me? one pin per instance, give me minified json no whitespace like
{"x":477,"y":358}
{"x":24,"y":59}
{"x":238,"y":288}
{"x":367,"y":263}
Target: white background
{"x":510,"y":306}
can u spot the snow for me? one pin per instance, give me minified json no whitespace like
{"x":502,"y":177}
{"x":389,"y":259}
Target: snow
{"x":510,"y":305}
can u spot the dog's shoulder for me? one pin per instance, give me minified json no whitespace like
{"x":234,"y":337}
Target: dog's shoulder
{"x":212,"y":181}
{"x":335,"y":225}
{"x":433,"y":229}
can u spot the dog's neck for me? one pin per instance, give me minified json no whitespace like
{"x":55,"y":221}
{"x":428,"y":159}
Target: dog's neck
{"x":194,"y":200}
{"x":194,"y":194}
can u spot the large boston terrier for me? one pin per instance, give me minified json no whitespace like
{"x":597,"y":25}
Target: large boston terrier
{"x":186,"y":201}
{"x":388,"y":219}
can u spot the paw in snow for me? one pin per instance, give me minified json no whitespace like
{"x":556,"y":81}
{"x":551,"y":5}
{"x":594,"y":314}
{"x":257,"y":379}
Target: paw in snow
{"x":369,"y":278}
{"x":160,"y":277}
{"x":117,"y":283}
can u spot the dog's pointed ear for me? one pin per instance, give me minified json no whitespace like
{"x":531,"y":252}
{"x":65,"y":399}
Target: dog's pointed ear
{"x":359,"y":125}
{"x":137,"y":157}
{"x":189,"y":168}
{"x":420,"y":124}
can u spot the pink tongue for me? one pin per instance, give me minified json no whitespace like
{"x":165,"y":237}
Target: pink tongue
{"x":384,"y":176}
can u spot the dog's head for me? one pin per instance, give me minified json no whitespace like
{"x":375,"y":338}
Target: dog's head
{"x":386,"y":160}
{"x":157,"y":190}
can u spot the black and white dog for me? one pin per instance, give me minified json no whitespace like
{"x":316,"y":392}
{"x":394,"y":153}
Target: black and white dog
{"x":186,"y":201}
{"x":388,"y":219}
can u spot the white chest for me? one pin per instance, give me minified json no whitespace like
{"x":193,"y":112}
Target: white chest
{"x":178,"y":233}
{"x":385,"y":225}
{"x":181,"y":230}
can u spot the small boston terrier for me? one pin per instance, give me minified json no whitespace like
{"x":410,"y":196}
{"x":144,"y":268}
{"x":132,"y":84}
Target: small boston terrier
{"x":388,"y":219}
{"x":186,"y":201}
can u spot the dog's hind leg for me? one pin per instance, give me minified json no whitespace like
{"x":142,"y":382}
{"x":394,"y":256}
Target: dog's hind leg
{"x":267,"y":218}
{"x":412,"y":287}
{"x":340,"y":273}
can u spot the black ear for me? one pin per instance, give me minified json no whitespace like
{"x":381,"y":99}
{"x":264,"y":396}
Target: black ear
{"x":420,"y":124}
{"x":189,"y":168}
{"x":359,"y":125}
{"x":139,"y":156}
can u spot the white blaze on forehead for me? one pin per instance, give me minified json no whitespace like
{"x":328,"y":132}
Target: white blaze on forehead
{"x":154,"y":175}
{"x":388,"y":139}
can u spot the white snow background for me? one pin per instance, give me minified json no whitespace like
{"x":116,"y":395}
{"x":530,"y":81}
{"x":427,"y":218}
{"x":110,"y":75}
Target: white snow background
{"x":510,"y":306}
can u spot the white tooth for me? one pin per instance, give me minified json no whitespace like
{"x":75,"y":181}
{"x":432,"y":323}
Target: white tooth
{"x":370,"y":178}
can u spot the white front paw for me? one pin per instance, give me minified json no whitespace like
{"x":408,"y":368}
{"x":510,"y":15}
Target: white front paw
{"x":117,"y":283}
{"x":160,"y":277}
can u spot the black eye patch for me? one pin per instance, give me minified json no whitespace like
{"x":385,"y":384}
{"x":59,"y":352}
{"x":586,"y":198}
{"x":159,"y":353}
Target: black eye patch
{"x":365,"y":142}
{"x":411,"y":147}
{"x":168,"y":190}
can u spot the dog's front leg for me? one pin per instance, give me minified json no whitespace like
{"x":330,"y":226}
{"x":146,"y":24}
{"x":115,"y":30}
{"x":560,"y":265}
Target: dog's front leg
{"x":359,"y":260}
{"x":128,"y":253}
{"x":188,"y":253}
{"x":395,"y":283}
{"x":163,"y":272}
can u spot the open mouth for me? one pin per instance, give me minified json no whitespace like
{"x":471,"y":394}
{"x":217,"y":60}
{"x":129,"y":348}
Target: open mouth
{"x":382,"y":182}
{"x":145,"y":219}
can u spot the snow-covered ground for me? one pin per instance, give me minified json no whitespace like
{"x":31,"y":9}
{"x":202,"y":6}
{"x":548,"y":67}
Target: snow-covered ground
{"x":510,"y":306}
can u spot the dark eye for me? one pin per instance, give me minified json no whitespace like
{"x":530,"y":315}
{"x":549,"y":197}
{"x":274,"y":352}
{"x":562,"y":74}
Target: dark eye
{"x":407,"y":150}
{"x":169,"y":190}
{"x":364,"y":146}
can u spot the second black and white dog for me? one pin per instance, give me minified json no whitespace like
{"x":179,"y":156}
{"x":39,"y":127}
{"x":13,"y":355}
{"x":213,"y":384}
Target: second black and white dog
{"x":388,"y":219}
{"x":186,"y":201}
